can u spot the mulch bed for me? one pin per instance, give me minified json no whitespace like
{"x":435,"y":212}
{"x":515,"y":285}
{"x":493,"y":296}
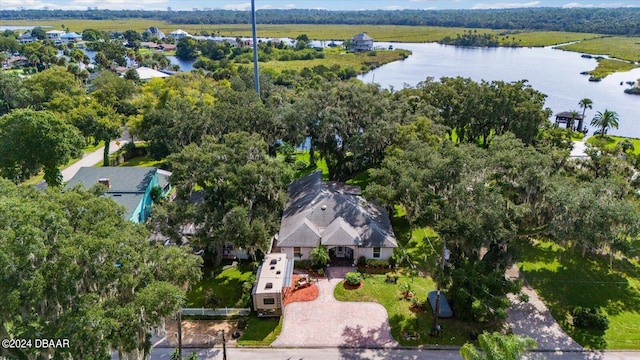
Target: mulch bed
{"x":306,"y":294}
{"x":352,"y":287}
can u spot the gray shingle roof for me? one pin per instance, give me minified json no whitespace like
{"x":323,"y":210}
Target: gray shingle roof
{"x":123,"y":179}
{"x":341,"y":218}
{"x":128,"y":184}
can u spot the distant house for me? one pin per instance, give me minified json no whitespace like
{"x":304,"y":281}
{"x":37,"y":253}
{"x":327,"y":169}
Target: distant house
{"x":154,"y":31}
{"x":569,"y":118}
{"x":334,"y":215}
{"x":272,"y":281}
{"x":166,"y":47}
{"x":54,"y":35}
{"x":179,"y":34}
{"x":17,"y":61}
{"x":145,"y":73}
{"x":26,"y":38}
{"x":70,"y":38}
{"x":128,"y":186}
{"x":361,"y":42}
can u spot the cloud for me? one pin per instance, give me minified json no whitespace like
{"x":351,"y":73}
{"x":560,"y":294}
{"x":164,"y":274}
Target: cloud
{"x":290,"y":6}
{"x":505,"y":5}
{"x":118,"y":4}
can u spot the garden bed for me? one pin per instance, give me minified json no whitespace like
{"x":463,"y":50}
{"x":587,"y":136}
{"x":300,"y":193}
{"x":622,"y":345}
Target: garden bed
{"x":308,"y":293}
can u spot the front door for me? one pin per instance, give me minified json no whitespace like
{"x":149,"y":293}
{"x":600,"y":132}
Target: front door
{"x":340,"y":252}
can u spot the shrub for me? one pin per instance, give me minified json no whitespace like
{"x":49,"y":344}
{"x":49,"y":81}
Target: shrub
{"x":300,"y":165}
{"x":378,"y":263}
{"x":392,"y":261}
{"x":353,"y":278}
{"x":589,"y":318}
{"x":362,"y":261}
{"x":302,"y":264}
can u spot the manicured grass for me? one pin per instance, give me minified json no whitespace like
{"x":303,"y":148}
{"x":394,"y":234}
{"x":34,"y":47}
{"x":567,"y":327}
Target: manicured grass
{"x":608,"y":66}
{"x":564,"y":279}
{"x":260,"y":331}
{"x":402,"y":319}
{"x":225,"y":287}
{"x":144,"y":161}
{"x":609,"y":142}
{"x":321,"y":164}
{"x":621,"y":47}
{"x":360,"y":62}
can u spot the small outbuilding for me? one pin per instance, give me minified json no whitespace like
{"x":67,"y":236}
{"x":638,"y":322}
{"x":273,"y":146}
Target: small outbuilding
{"x":274,"y":276}
{"x":569,"y":118}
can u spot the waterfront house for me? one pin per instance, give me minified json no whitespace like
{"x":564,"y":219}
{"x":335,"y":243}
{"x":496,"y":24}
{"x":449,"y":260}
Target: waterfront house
{"x":334,"y":215}
{"x":568,"y":118}
{"x":361,"y":42}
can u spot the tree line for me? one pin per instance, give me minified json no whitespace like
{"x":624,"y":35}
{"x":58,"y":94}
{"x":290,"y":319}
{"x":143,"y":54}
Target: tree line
{"x":615,"y":21}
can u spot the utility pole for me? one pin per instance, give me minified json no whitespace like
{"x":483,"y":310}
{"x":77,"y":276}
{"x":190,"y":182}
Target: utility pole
{"x":436,"y":325}
{"x":180,"y":332}
{"x":224,"y":347}
{"x":256,"y":78}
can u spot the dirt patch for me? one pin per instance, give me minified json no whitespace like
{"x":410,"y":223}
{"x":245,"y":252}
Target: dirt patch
{"x":352,"y":287}
{"x":201,"y":332}
{"x":308,"y":293}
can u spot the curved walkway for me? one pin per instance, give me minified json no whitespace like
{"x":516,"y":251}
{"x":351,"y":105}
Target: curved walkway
{"x":534,"y":320}
{"x":327,"y":322}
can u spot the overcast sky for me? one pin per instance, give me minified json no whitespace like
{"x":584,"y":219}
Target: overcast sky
{"x":308,"y":4}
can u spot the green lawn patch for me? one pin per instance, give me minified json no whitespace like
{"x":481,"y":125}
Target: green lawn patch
{"x":402,"y":318}
{"x":609,"y":142}
{"x":260,"y":331}
{"x":564,"y":279}
{"x":321,"y":164}
{"x":143,"y":161}
{"x":224,"y":289}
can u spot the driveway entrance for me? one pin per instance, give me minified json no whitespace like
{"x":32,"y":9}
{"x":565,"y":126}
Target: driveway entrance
{"x":329,"y":322}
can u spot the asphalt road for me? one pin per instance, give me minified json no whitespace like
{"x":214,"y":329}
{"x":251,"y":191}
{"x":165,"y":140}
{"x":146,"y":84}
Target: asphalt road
{"x":373,"y":354}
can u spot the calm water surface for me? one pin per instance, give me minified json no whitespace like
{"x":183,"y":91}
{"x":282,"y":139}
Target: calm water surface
{"x":555,"y":73}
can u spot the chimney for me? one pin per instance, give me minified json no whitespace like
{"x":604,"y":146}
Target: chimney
{"x":106,"y":182}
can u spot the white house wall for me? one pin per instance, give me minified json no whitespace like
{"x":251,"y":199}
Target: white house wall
{"x":289,"y":251}
{"x":385,"y":253}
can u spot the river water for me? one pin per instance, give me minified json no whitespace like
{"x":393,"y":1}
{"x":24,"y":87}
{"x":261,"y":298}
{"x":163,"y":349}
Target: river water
{"x":553,"y":72}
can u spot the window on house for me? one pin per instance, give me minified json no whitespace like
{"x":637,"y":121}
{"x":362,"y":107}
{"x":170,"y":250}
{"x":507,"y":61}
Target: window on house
{"x":297,"y":252}
{"x":268,"y":301}
{"x":376,"y":253}
{"x":268,"y":286}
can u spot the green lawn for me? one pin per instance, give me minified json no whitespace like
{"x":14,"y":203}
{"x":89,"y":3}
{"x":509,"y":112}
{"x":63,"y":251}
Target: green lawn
{"x":402,"y":319}
{"x":260,"y":331}
{"x":321,"y":164}
{"x":222,"y":290}
{"x":609,"y":142}
{"x":144,"y":161}
{"x":564,"y":279}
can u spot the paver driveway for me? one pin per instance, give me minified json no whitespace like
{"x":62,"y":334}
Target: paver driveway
{"x":329,"y":322}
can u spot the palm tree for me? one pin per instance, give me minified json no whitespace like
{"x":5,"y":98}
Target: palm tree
{"x":320,"y":255}
{"x":497,"y":347}
{"x":585,"y":104}
{"x":605,"y":120}
{"x":574,"y":116}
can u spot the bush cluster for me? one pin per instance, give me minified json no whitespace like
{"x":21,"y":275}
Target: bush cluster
{"x":302,"y":264}
{"x":589,"y":318}
{"x":353,"y":278}
{"x":378,"y":263}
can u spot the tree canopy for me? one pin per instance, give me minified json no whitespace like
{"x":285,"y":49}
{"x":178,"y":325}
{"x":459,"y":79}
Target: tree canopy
{"x":72,"y":267}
